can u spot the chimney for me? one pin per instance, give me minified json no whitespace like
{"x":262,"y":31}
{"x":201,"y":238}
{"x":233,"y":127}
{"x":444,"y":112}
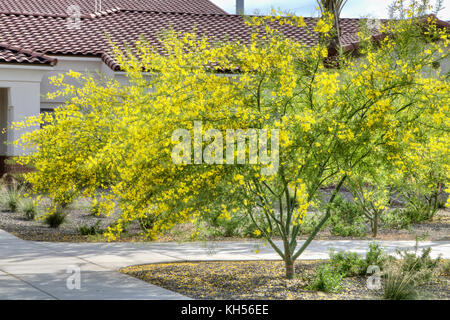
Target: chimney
{"x":239,"y":6}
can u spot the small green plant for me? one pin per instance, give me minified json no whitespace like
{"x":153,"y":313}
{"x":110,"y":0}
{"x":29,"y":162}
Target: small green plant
{"x":445,"y":269}
{"x":396,"y":219}
{"x":11,"y":196}
{"x":347,"y":219}
{"x":399,"y":285}
{"x":326,"y":279}
{"x":310,"y":222}
{"x":347,"y":263}
{"x":29,"y":208}
{"x":93,"y":230}
{"x":423,"y":266}
{"x":351,"y":264}
{"x":239,"y":224}
{"x":375,"y":256}
{"x":95,"y":208}
{"x":57,"y":217}
{"x":402,"y":278}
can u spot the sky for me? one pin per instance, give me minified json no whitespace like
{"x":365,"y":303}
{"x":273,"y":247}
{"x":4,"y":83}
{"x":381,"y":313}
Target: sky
{"x":353,"y":8}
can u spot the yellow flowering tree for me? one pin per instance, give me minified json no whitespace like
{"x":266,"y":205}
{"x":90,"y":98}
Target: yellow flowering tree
{"x":155,"y":147}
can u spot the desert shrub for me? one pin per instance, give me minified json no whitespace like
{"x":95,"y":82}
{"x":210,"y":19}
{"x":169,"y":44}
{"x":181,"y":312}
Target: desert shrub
{"x":421,"y":207}
{"x":29,"y":208}
{"x":376,"y":256}
{"x":416,"y":214}
{"x":423,"y":266}
{"x":309,"y":223}
{"x":57,"y":217}
{"x":147,"y":222}
{"x":239,"y":224}
{"x":347,"y":263}
{"x":399,"y":285}
{"x":441,"y":203}
{"x":86,"y":230}
{"x":352,"y":264}
{"x":396,"y":219}
{"x":347,"y":219}
{"x":10,"y":197}
{"x":95,"y":208}
{"x":403,"y":278}
{"x":445,"y":269}
{"x":325,"y":279}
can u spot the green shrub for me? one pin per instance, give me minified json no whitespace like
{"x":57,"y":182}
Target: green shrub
{"x":441,"y":203}
{"x":445,"y":269}
{"x":419,"y":209}
{"x":29,"y":208}
{"x":56,"y":218}
{"x":347,"y":263}
{"x":399,"y":285}
{"x":10,"y":197}
{"x":403,"y":277}
{"x":326,"y":279}
{"x":375,"y":256}
{"x":352,"y":264}
{"x":396,"y":219}
{"x":240,"y":224}
{"x":347,"y":219}
{"x":90,"y":230}
{"x":95,"y":208}
{"x":147,"y":222}
{"x":423,"y":266}
{"x":310,"y":222}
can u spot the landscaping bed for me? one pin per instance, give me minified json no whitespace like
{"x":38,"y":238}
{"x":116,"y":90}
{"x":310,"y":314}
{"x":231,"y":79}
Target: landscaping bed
{"x":78,"y":215}
{"x":262,"y":280}
{"x":15,"y":223}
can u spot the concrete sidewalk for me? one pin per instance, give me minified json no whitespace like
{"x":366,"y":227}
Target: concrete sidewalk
{"x":40,"y":270}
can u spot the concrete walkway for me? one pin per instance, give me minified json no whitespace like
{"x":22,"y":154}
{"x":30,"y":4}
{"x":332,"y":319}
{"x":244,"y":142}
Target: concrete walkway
{"x":44,"y":270}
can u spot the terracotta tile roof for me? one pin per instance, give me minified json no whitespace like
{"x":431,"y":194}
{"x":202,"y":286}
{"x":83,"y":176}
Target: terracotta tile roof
{"x":48,"y":34}
{"x":59,"y":7}
{"x":12,"y":54}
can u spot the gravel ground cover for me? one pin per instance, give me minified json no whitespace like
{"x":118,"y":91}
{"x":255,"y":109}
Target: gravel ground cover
{"x":261,"y":280}
{"x":79,"y":215}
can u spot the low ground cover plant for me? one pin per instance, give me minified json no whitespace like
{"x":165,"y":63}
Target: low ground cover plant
{"x":10,"y":196}
{"x":57,"y":217}
{"x":347,"y":218}
{"x":403,"y":278}
{"x":396,"y":219}
{"x":93,"y":230}
{"x":29,"y":208}
{"x":353,"y":264}
{"x":326,"y":279}
{"x":329,"y":276}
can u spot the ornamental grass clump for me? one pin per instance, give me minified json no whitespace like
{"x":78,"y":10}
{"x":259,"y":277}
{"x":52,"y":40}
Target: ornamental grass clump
{"x":56,"y":217}
{"x":404,"y":278}
{"x":10,"y":197}
{"x":29,"y":208}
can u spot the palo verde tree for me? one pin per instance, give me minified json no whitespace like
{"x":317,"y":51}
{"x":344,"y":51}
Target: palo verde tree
{"x":157,"y":146}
